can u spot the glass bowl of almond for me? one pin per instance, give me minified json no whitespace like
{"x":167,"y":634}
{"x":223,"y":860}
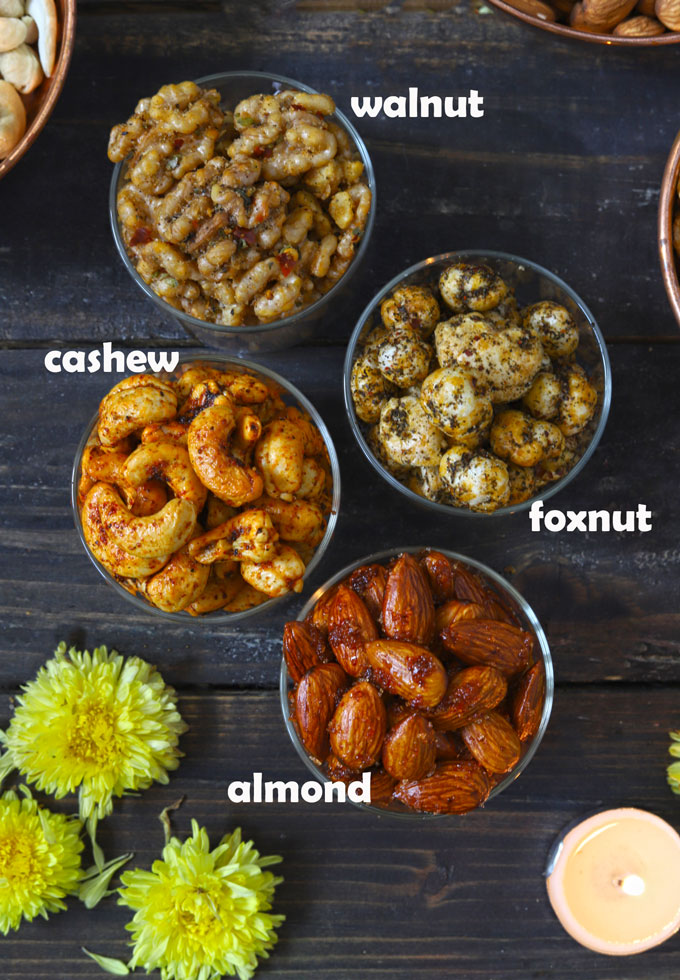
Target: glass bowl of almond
{"x":416,"y":681}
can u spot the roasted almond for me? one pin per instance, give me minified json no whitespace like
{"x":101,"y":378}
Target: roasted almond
{"x":639,"y":26}
{"x":369,"y":583}
{"x":318,"y":617}
{"x":302,"y":648}
{"x":441,"y":575}
{"x":489,"y":643}
{"x":454,"y":787}
{"x":456,"y":611}
{"x":397,"y":710}
{"x":408,"y":608}
{"x":382,"y":785}
{"x":357,"y":729}
{"x":408,"y":670}
{"x":338,"y":772}
{"x":409,"y":749}
{"x":467,"y":585}
{"x":500,"y":609}
{"x":493,"y":742}
{"x":469,"y":692}
{"x":350,"y":628}
{"x":527,"y":703}
{"x":315,"y":701}
{"x":449,"y":747}
{"x":668,"y":12}
{"x":605,"y":14}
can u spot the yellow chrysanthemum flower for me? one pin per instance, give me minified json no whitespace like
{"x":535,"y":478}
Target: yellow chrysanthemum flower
{"x":96,"y":723}
{"x":202,"y":914}
{"x":39,"y":860}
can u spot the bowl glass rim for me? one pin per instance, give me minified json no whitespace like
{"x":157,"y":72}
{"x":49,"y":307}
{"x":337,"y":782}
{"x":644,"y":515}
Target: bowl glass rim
{"x":501,"y":585}
{"x":260,"y":328}
{"x":218,"y":617}
{"x":552,"y":488}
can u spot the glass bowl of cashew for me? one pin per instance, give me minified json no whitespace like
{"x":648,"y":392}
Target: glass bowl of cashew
{"x":477,"y":383}
{"x":208,"y":494}
{"x":241,"y":204}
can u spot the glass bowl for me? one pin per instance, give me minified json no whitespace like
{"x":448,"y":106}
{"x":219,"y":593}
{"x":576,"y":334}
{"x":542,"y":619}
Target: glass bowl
{"x":510,"y":596}
{"x":531,"y":283}
{"x":668,"y":201}
{"x":291,"y":396}
{"x":234,"y":86}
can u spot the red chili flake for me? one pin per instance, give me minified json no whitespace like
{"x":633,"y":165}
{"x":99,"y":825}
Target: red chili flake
{"x":246,"y":234}
{"x":262,"y":152}
{"x":178,"y":144}
{"x":296,"y":105}
{"x":286,"y":262}
{"x":141,"y":236}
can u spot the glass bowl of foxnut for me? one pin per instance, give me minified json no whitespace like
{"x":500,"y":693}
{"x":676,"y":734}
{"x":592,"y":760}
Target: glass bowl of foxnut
{"x":241,"y":204}
{"x":476,"y":383}
{"x":421,"y":675}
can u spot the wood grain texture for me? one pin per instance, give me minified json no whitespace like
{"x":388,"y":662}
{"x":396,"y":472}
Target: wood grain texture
{"x":551,"y":172}
{"x":607,"y":601}
{"x":564,"y":169}
{"x":365,"y":895}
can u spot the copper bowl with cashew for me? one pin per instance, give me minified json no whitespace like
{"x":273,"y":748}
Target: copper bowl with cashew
{"x":41,"y":101}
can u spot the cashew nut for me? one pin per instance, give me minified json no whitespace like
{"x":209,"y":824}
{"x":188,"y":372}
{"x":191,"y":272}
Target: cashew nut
{"x":280,"y":575}
{"x":134,"y":403}
{"x":209,"y":450}
{"x":147,"y":537}
{"x":22,"y":68}
{"x":177,"y":585}
{"x":169,"y":462}
{"x":116,"y":560}
{"x":44,"y":13}
{"x":250,"y":535}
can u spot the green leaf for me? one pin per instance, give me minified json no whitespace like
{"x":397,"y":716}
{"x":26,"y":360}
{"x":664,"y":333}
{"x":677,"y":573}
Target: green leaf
{"x":97,"y":852}
{"x":95,"y":887}
{"x":117,"y":967}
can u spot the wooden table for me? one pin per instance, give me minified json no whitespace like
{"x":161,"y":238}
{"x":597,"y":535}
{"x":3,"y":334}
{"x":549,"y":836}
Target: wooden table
{"x":565,"y":169}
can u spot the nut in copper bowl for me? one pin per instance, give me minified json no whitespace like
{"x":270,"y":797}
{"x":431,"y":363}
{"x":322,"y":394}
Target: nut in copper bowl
{"x":38,"y":38}
{"x":610,"y":22}
{"x":423,"y":669}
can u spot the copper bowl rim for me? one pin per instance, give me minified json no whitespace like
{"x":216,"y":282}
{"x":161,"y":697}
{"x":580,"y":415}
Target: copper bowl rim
{"x":669,"y":268}
{"x":67,"y":12}
{"x":612,"y":40}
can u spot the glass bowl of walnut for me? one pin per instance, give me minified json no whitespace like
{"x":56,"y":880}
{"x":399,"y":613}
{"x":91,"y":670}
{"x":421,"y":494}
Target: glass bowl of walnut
{"x":210,"y":493}
{"x":468,"y":402}
{"x":241,"y":204}
{"x":422,"y":673}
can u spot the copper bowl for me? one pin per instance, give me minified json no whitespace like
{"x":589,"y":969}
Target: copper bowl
{"x":39,"y":104}
{"x":671,"y":37}
{"x":667,"y":201}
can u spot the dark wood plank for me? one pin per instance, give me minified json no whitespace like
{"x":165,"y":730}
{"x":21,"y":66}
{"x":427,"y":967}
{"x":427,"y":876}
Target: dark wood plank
{"x":372,"y":897}
{"x":565,"y":173}
{"x":608,"y":602}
